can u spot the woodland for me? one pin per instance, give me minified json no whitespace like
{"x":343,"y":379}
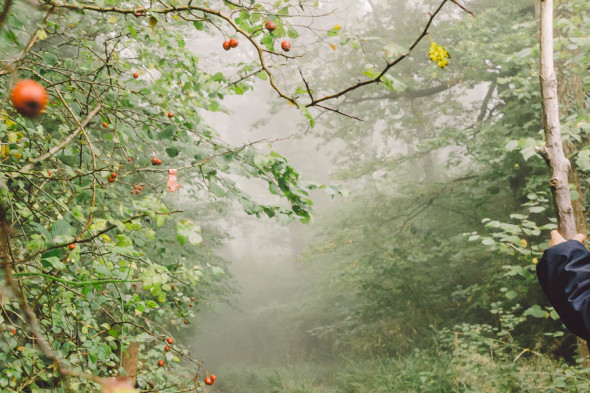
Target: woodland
{"x":414,"y":254}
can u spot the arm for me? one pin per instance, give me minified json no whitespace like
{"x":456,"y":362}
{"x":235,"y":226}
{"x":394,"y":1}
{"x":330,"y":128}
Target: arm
{"x":564,"y":275}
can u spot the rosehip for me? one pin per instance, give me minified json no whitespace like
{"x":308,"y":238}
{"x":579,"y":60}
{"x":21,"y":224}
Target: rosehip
{"x":233,"y":43}
{"x":269,"y":25}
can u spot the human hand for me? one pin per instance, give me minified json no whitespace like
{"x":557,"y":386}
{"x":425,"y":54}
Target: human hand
{"x":556,"y":238}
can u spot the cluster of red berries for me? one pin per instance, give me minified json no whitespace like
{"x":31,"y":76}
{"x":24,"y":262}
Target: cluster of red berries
{"x":112,"y":177}
{"x":136,"y":189}
{"x":156,"y":161}
{"x":210,"y":380}
{"x":233,"y":43}
{"x":270,"y":26}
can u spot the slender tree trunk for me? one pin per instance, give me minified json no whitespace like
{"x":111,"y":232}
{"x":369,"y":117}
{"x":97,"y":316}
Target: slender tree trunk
{"x":553,"y":151}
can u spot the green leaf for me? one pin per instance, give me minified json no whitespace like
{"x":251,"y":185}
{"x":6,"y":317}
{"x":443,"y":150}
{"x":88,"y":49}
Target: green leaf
{"x":187,"y":230}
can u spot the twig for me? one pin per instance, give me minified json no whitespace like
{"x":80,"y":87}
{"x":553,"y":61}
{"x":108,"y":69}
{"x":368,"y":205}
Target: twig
{"x":62,"y":144}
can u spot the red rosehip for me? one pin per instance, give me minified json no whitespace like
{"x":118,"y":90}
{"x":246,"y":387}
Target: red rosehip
{"x":13,"y":331}
{"x":161,"y":363}
{"x":213,"y":377}
{"x":135,"y":75}
{"x":113,"y":174}
{"x":192,"y":298}
{"x":170,"y":114}
{"x":208,"y":381}
{"x":129,"y":159}
{"x":170,"y":340}
{"x":105,"y":124}
{"x":269,"y":25}
{"x":135,"y":187}
{"x":286,"y":45}
{"x":29,"y":97}
{"x":186,"y":322}
{"x":233,"y":43}
{"x":111,"y":179}
{"x":190,"y":305}
{"x":71,"y":246}
{"x":167,"y":348}
{"x":226,"y":45}
{"x":48,"y":173}
{"x":140,"y":188}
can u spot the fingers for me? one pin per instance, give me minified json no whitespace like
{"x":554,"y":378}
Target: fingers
{"x":556,"y":238}
{"x":581,"y":238}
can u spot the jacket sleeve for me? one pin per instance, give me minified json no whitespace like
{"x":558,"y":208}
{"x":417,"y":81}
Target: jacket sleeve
{"x":564,"y":275}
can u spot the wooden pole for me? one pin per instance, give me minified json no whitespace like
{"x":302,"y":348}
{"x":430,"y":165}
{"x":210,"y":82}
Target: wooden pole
{"x":552,"y":152}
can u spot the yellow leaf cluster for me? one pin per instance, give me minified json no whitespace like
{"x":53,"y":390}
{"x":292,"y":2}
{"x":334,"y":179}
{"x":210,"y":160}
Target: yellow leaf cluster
{"x":438,"y":54}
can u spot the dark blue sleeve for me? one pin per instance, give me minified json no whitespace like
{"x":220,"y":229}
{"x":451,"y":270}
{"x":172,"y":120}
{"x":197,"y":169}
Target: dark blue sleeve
{"x":564,"y":274}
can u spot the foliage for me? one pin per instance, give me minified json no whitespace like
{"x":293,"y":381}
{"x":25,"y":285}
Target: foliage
{"x":98,"y":256}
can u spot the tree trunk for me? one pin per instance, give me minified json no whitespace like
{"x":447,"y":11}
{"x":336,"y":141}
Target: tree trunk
{"x":553,"y":151}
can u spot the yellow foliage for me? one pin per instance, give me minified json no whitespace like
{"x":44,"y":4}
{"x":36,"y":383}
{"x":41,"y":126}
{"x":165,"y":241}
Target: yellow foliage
{"x":438,"y":54}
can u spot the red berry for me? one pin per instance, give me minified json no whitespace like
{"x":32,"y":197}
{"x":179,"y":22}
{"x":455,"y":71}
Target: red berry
{"x":208,"y":381}
{"x":72,"y":246}
{"x":167,"y":348}
{"x":133,"y":191}
{"x":213,"y":377}
{"x":186,"y":322}
{"x":172,"y":287}
{"x":226,"y":45}
{"x":140,"y":188}
{"x":111,"y":179}
{"x":155,"y":161}
{"x":113,"y":174}
{"x":233,"y":43}
{"x":170,"y":114}
{"x":134,"y":284}
{"x":48,"y":173}
{"x":161,"y":363}
{"x":13,"y":331}
{"x":190,"y":305}
{"x":103,"y":293}
{"x":135,"y":75}
{"x":105,"y":124}
{"x":137,"y":192}
{"x":192,"y":298}
{"x":269,"y":25}
{"x":135,"y":187}
{"x":29,"y":97}
{"x":286,"y":45}
{"x":129,"y":159}
{"x":170,"y":340}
